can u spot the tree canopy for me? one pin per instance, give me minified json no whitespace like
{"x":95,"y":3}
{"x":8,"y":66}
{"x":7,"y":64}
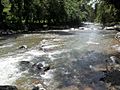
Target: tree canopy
{"x":19,"y":14}
{"x":50,"y":12}
{"x":108,"y":12}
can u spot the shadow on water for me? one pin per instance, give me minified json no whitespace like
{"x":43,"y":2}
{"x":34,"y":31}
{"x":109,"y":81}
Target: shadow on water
{"x":60,"y":32}
{"x":113,"y":77}
{"x":57,"y":32}
{"x":78,"y":71}
{"x":4,"y":39}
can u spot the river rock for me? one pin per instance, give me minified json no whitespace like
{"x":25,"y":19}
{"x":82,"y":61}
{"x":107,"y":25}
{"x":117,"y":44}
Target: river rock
{"x":7,"y":87}
{"x":37,"y":68}
{"x":117,"y":36}
{"x":46,"y":68}
{"x":115,"y":60}
{"x":35,"y":88}
{"x":23,"y":47}
{"x":24,"y":62}
{"x":38,"y":65}
{"x":34,"y":67}
{"x":40,"y":68}
{"x":24,"y":65}
{"x":38,"y":87}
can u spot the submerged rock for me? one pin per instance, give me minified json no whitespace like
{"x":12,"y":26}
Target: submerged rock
{"x":24,"y":65}
{"x":7,"y":87}
{"x":23,"y":47}
{"x":24,"y":62}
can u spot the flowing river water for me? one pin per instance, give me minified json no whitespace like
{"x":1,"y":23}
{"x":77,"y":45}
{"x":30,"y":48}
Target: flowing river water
{"x":73,"y":56}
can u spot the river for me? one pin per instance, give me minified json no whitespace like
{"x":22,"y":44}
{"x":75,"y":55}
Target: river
{"x":73,"y":55}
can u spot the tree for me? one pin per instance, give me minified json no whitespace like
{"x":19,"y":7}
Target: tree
{"x":56,"y":11}
{"x":20,"y":13}
{"x":106,"y":13}
{"x":1,"y":12}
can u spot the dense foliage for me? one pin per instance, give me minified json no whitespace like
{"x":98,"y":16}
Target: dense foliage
{"x":19,"y":14}
{"x":35,"y":14}
{"x":108,"y":12}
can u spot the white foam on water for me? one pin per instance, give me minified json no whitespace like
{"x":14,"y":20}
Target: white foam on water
{"x":89,"y":23}
{"x":35,"y":53}
{"x":65,"y":30}
{"x":57,"y":52}
{"x":56,"y":39}
{"x":91,"y":42}
{"x":44,"y":40}
{"x":50,"y":46}
{"x":116,"y":47}
{"x":50,"y":54}
{"x":7,"y":45}
{"x":48,"y":74}
{"x":28,"y":35}
{"x":86,"y":28}
{"x":8,"y":66}
{"x":8,"y":70}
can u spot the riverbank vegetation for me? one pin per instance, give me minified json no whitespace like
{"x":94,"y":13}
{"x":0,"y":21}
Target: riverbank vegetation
{"x":32,"y":15}
{"x":108,"y":12}
{"x":35,"y":14}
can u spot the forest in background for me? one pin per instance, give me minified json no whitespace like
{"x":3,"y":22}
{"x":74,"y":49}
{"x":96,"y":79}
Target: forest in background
{"x":39,"y":14}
